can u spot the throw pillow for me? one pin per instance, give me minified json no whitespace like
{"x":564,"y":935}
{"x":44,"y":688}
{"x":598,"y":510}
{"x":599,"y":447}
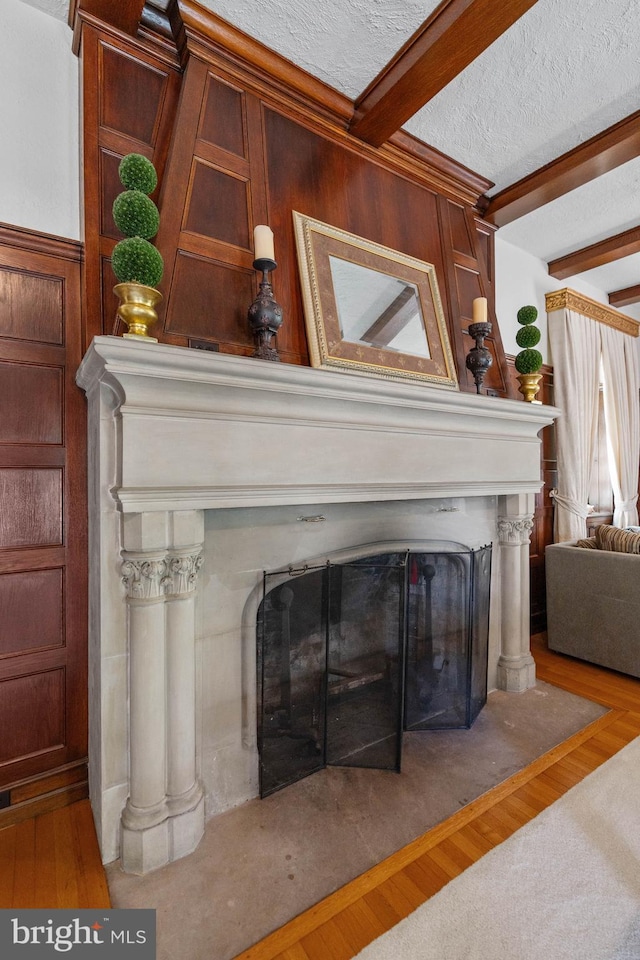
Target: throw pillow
{"x":616,"y":540}
{"x":588,"y":542}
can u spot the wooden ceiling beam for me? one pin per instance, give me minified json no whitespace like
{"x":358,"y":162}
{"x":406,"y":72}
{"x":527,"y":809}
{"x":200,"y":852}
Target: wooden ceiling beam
{"x":597,"y":254}
{"x":602,"y":153}
{"x":623,"y":298}
{"x":449,"y":40}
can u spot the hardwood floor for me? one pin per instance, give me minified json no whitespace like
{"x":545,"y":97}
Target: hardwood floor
{"x":53,"y":860}
{"x":339,"y":927}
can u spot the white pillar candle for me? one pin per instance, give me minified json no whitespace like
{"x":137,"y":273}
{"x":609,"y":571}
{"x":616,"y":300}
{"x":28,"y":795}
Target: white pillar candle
{"x":480,"y":310}
{"x":263,"y":242}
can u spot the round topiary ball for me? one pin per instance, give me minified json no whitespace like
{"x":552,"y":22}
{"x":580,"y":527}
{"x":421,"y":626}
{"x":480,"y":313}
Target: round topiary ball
{"x":528,"y":336}
{"x":135,"y":260}
{"x":135,"y":214}
{"x":137,"y":173}
{"x":527,"y":314}
{"x":528,"y":361}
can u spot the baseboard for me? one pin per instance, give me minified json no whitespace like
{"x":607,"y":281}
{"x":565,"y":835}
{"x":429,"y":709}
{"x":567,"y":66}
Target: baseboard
{"x":37,"y":795}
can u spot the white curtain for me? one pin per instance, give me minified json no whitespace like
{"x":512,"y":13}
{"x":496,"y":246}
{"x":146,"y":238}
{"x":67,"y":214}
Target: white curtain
{"x":575,"y":346}
{"x":622,"y":418}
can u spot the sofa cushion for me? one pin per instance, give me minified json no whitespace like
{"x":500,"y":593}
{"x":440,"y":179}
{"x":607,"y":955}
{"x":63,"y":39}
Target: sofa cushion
{"x":616,"y":540}
{"x":589,"y":542}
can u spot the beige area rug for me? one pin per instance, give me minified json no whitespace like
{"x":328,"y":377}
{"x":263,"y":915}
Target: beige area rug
{"x":564,"y":887}
{"x":264,"y":862}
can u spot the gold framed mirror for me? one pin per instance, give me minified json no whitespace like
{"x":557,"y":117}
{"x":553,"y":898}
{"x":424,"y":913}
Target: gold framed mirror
{"x":371,"y":309}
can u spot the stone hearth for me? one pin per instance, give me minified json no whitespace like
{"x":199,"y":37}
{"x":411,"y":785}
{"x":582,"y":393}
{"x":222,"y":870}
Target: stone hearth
{"x":203,"y":470}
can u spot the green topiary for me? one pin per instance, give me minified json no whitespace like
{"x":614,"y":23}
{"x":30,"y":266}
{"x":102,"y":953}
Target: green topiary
{"x":528,"y":336}
{"x":527,"y":315}
{"x":528,"y":361}
{"x":135,"y":260}
{"x":135,"y":214}
{"x":137,"y":173}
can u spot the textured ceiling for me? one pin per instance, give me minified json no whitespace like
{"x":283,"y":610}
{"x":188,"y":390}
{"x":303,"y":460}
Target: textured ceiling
{"x":565,"y":71}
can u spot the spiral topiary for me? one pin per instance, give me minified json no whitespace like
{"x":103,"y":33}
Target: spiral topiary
{"x":528,"y":360}
{"x":135,"y":260}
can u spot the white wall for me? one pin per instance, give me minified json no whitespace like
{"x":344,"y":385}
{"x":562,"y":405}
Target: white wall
{"x":523,"y":279}
{"x":39,"y":157}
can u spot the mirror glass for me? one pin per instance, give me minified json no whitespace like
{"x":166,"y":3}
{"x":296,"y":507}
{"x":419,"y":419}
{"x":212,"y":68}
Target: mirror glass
{"x":377,"y":309}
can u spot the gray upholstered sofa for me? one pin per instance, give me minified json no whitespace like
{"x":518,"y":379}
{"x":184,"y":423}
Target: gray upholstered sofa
{"x":593,"y":605}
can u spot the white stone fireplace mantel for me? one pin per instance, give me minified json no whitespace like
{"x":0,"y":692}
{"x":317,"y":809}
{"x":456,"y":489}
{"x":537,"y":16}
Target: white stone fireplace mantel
{"x":177,"y":435}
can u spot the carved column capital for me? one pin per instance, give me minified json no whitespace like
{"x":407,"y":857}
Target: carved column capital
{"x":183,"y":569}
{"x":144,"y":577}
{"x":514,"y":530}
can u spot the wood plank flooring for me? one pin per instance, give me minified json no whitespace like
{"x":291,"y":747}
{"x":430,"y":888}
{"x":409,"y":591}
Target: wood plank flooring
{"x":339,"y":927}
{"x":53,"y":860}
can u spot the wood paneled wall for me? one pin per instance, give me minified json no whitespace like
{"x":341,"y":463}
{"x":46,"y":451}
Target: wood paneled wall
{"x":241,"y":137}
{"x":43,"y":525}
{"x":542,"y":533}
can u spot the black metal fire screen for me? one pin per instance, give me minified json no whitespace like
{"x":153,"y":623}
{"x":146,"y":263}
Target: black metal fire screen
{"x":351,"y":654}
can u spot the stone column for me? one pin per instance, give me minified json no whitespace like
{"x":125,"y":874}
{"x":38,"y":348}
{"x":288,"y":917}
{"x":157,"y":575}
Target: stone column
{"x":164,"y":815}
{"x":144,"y":833}
{"x":185,"y":796}
{"x":516,"y":667}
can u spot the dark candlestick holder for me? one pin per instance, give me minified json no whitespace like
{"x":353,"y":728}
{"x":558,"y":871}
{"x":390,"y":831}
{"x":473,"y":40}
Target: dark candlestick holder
{"x":479,"y":358}
{"x":265,"y":315}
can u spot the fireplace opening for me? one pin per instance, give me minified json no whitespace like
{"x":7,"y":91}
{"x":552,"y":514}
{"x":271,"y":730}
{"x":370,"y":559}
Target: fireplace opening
{"x":351,"y":655}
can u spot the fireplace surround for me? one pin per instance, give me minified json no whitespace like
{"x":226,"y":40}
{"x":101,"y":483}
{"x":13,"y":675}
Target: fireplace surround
{"x":207,"y":469}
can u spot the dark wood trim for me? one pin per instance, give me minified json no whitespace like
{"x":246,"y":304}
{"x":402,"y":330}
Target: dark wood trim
{"x":602,"y":153}
{"x":201,"y":25}
{"x":124,"y":15}
{"x":623,"y":298}
{"x":455,"y":34}
{"x":44,"y":803}
{"x":44,"y":243}
{"x":597,"y":254}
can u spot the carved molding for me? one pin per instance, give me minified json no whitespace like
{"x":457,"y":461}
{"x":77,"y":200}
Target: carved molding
{"x":150,"y":578}
{"x":514,"y":530}
{"x":183,"y":572}
{"x":144,"y":577}
{"x":571,"y":300}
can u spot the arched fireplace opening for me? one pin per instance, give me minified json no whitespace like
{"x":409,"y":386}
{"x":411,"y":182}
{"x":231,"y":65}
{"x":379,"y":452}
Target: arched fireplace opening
{"x":351,"y":655}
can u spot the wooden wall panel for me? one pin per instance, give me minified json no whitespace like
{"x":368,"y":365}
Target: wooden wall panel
{"x":542,"y":532}
{"x":223,"y":121}
{"x":468,"y":258}
{"x":31,"y":611}
{"x":41,"y":296}
{"x":43,"y":513}
{"x":32,"y":714}
{"x":218,"y":206}
{"x":319,"y":178}
{"x":32,"y":409}
{"x":130,"y":94}
{"x":208,"y":302}
{"x":31,"y":507}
